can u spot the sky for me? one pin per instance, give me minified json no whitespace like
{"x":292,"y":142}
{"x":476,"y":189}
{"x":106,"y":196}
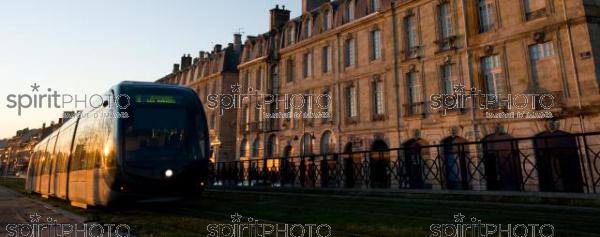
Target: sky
{"x":82,"y":48}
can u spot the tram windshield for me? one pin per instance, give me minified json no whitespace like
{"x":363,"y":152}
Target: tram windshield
{"x":157,"y":133}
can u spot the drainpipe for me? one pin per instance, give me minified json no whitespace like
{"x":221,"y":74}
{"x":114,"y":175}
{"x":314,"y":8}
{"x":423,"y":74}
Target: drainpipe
{"x":396,"y":73}
{"x":575,"y":71}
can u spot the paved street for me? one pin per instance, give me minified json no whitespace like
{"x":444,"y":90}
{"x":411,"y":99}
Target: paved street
{"x":15,"y":208}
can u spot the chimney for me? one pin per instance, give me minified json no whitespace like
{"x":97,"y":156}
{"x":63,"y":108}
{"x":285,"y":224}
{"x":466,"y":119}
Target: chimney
{"x":309,"y":5}
{"x":186,"y":61}
{"x":202,"y":55}
{"x":175,"y":67}
{"x":237,"y":42}
{"x":218,"y":48}
{"x":279,"y":17}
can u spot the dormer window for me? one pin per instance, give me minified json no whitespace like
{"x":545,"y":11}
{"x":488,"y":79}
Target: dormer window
{"x":248,"y":54}
{"x":308,"y":27}
{"x":259,"y":49}
{"x":374,"y":4}
{"x":349,"y":11}
{"x":327,"y":20}
{"x":291,"y":35}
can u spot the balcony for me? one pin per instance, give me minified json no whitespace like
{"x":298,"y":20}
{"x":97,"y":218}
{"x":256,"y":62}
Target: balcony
{"x":413,"y":52}
{"x":448,"y":43}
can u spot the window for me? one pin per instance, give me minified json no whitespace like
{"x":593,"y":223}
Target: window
{"x":246,"y":115}
{"x":306,"y":144}
{"x":446,"y":78}
{"x":308,"y":27}
{"x":487,"y":15}
{"x":412,"y":41}
{"x":538,"y":53}
{"x":351,"y":99}
{"x":259,"y":78}
{"x":378,"y":107}
{"x":307,"y":65}
{"x":445,"y":19}
{"x":349,"y":12}
{"x":246,"y":83}
{"x":492,"y":76}
{"x":248,"y":54}
{"x":326,"y":59}
{"x":243,"y":147}
{"x":534,"y":8}
{"x":257,"y":114}
{"x":291,"y":35}
{"x":374,"y":5}
{"x":414,"y":92}
{"x":349,"y":55}
{"x":327,"y":20}
{"x":259,"y":49}
{"x":375,"y":44}
{"x":289,"y":70}
{"x":255,"y":147}
{"x":306,"y":106}
{"x":326,"y":143}
{"x":325,"y":103}
{"x":213,"y":121}
{"x":541,"y":51}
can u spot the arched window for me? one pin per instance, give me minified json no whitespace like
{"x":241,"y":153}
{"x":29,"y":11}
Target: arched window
{"x":379,"y":164}
{"x":456,"y":169}
{"x":255,"y":147}
{"x":326,"y":143}
{"x":413,"y":162}
{"x":243,"y":147}
{"x":271,"y":147}
{"x":558,"y":162}
{"x":502,"y":163}
{"x":306,"y":144}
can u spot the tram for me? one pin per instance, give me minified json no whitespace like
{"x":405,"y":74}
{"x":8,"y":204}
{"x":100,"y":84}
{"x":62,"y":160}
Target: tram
{"x":140,"y":142}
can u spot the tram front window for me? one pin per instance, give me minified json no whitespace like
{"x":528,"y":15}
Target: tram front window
{"x":156,"y":134}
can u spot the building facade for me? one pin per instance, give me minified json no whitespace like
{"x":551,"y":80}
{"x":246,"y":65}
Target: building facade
{"x":391,"y":74}
{"x":381,"y":61}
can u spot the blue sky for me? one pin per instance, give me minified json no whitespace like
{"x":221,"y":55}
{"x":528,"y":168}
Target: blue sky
{"x":84,"y":47}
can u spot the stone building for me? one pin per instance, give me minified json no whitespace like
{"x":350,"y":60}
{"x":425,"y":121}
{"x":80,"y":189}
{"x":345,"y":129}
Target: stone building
{"x":393,"y":74}
{"x":382,"y":62}
{"x":213,"y":73}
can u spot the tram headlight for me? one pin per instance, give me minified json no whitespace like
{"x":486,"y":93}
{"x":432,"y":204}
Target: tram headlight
{"x":168,"y":173}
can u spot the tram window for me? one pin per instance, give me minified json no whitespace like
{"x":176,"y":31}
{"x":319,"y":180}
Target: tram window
{"x":156,"y":132}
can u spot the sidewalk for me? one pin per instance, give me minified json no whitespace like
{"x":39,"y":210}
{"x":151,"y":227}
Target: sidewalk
{"x":16,"y":208}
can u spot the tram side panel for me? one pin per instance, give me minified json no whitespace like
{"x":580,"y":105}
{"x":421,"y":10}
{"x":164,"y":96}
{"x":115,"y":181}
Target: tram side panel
{"x":45,"y":184}
{"x":52,"y":166}
{"x":63,"y":152}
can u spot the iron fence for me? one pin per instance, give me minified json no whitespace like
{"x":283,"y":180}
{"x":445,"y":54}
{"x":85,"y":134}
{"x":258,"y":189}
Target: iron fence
{"x":551,"y":161}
